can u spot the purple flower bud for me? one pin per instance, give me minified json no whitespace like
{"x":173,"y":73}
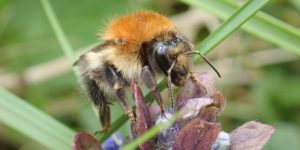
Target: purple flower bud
{"x":166,"y":137}
{"x":113,"y":142}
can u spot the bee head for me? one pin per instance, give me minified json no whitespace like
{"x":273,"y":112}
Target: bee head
{"x":169,"y":50}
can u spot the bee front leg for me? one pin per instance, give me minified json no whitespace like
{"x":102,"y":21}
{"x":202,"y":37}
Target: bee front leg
{"x":150,"y":82}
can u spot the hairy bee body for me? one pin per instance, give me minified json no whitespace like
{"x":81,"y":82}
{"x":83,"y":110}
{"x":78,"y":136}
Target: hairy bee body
{"x":135,"y":47}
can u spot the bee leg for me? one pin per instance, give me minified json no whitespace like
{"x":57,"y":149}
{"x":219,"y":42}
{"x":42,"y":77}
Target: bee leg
{"x":100,"y":101}
{"x":150,"y":82}
{"x":122,"y":98}
{"x":116,"y":81}
{"x":104,"y":116}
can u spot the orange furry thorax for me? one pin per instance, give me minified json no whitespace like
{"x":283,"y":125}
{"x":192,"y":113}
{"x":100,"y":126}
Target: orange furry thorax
{"x":132,"y":30}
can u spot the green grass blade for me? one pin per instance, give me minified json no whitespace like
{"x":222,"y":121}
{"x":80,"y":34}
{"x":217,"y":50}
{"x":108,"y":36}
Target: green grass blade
{"x":295,"y":3}
{"x":231,"y":24}
{"x":16,"y":113}
{"x":261,"y":25}
{"x":114,"y":127}
{"x":61,"y":37}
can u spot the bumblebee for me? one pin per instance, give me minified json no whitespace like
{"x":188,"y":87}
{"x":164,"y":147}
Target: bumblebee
{"x":135,"y":48}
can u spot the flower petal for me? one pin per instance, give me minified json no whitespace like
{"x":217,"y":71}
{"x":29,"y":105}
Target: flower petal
{"x":198,"y":134}
{"x":251,"y":135}
{"x":190,"y":90}
{"x":143,"y":117}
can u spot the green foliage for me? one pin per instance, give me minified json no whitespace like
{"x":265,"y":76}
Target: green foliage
{"x":262,"y":25}
{"x":287,"y":132}
{"x":230,"y":25}
{"x":37,"y":125}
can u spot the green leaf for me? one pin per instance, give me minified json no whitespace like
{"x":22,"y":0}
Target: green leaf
{"x":61,"y":37}
{"x":287,"y":131}
{"x":231,"y":24}
{"x":261,"y":25}
{"x":295,"y":3}
{"x":23,"y":117}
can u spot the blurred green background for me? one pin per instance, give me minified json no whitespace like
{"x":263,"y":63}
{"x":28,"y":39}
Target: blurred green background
{"x":260,"y":81}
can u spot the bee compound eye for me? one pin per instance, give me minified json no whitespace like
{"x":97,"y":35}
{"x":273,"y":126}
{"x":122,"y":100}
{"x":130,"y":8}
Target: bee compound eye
{"x":160,"y":49}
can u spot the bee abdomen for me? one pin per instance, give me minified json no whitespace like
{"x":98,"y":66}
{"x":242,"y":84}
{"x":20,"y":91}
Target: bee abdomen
{"x":94,"y":92}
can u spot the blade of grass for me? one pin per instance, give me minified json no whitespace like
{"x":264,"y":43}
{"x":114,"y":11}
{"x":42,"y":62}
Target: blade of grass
{"x":261,"y":25}
{"x":229,"y":26}
{"x":61,"y":37}
{"x":28,"y":120}
{"x":295,"y":3}
{"x":16,"y":113}
{"x":115,"y":126}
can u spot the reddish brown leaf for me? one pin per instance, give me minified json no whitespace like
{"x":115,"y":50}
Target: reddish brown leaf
{"x":198,"y":134}
{"x":84,"y":141}
{"x":143,"y":117}
{"x":250,"y":136}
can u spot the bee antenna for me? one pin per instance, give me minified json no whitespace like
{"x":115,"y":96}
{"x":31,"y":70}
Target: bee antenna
{"x":206,"y":60}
